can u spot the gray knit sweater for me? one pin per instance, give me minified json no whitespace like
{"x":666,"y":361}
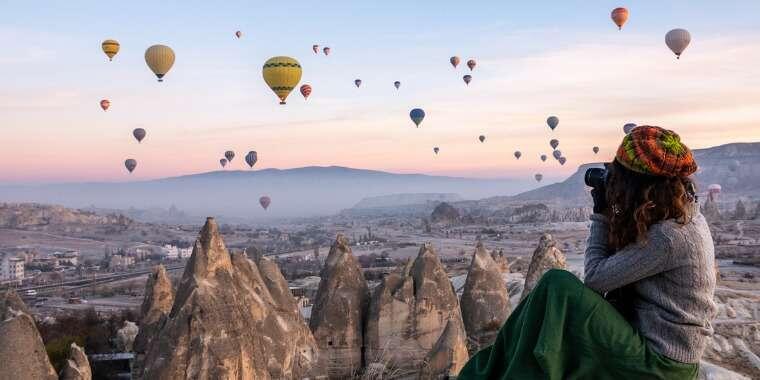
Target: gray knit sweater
{"x":672,"y":281}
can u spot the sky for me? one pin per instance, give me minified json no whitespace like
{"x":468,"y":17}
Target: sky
{"x":535,"y":59}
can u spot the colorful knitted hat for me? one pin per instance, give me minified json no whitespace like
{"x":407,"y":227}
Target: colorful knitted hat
{"x":656,"y":151}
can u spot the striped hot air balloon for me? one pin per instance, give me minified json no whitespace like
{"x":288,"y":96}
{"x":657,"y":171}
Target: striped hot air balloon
{"x":282,"y":75}
{"x":110,"y":47}
{"x":619,"y":17}
{"x":160,"y":59}
{"x":306,"y":91}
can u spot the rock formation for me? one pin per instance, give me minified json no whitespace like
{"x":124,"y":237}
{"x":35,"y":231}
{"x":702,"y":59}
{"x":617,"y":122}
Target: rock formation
{"x":408,"y":312}
{"x":22,"y":353}
{"x":736,"y":341}
{"x":485,"y":301}
{"x":444,"y":213}
{"x":77,"y":367}
{"x":448,"y":355}
{"x":710,"y":210}
{"x":157,"y":304}
{"x":337,"y":319}
{"x":545,"y":257}
{"x":225,"y":323}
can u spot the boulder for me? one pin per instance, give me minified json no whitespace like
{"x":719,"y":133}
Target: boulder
{"x":337,"y":318}
{"x":225,"y":323}
{"x":485,"y":300}
{"x":22,"y":352}
{"x":545,"y":257}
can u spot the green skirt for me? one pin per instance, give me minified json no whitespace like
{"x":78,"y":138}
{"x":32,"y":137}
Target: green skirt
{"x":564,"y":330}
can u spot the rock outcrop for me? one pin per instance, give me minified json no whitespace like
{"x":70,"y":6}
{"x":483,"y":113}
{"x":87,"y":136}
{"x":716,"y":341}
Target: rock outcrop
{"x":159,"y":297}
{"x":337,"y":319}
{"x":22,"y":352}
{"x":225,"y":323}
{"x":485,"y":301}
{"x":77,"y":367}
{"x":545,"y":257}
{"x":448,"y":355}
{"x":408,"y":312}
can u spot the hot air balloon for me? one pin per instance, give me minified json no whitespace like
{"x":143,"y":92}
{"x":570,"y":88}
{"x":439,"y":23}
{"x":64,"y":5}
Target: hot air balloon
{"x":628,"y":128}
{"x":714,"y":188}
{"x":110,"y":47}
{"x":482,"y":138}
{"x":282,"y":74}
{"x":305,"y":91}
{"x":139,"y":134}
{"x":326,"y":50}
{"x":562,"y":160}
{"x":315,"y":48}
{"x":265,"y":201}
{"x":543,"y":157}
{"x":554,"y":143}
{"x":552,"y":122}
{"x":538,"y":177}
{"x":518,"y":154}
{"x":417,"y":115}
{"x":595,"y":149}
{"x":397,"y":84}
{"x":556,"y":154}
{"x":677,"y":40}
{"x":223,"y":162}
{"x":357,"y":82}
{"x":238,"y":34}
{"x":471,"y":64}
{"x":104,"y":104}
{"x":229,"y":155}
{"x":251,"y":158}
{"x":467,"y":79}
{"x":619,"y":16}
{"x":436,"y":150}
{"x":130,"y":164}
{"x":454,"y":61}
{"x":160,"y":59}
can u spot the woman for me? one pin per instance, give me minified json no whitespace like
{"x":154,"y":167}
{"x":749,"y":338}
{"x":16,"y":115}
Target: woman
{"x":649,"y":245}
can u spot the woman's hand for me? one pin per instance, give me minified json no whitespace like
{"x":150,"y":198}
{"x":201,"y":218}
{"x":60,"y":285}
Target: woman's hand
{"x":600,"y":200}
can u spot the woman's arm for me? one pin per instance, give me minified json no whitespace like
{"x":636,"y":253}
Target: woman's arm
{"x":605,"y":272}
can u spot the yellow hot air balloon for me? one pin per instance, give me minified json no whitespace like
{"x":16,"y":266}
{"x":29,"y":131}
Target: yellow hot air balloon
{"x":160,"y":59}
{"x":282,"y":74}
{"x":110,"y":47}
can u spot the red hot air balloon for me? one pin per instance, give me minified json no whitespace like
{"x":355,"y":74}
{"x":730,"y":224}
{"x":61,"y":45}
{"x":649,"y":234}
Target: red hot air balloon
{"x":104,"y":104}
{"x":306,"y":91}
{"x":467,"y":79}
{"x":454,"y":61}
{"x":315,"y":47}
{"x":619,"y":16}
{"x":471,"y":64}
{"x":238,"y":34}
{"x":265,"y":201}
{"x":326,"y":50}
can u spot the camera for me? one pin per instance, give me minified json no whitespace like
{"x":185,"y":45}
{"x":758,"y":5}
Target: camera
{"x":596,"y":178}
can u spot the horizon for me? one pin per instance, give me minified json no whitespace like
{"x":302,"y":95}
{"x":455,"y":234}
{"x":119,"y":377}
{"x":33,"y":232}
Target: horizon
{"x":533,"y":61}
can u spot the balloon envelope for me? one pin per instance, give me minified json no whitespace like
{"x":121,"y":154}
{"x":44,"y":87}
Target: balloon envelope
{"x":265,"y":201}
{"x":306,"y":91}
{"x":435,"y":150}
{"x":538,"y":177}
{"x":251,"y":158}
{"x":678,"y":40}
{"x":467,"y":79}
{"x":223,"y":162}
{"x":326,"y":50}
{"x":471,"y":64}
{"x":417,"y":115}
{"x":315,"y":48}
{"x":357,"y":82}
{"x":281,"y":74}
{"x":619,"y":16}
{"x":543,"y":157}
{"x":110,"y":47}
{"x":139,"y":134}
{"x":130,"y":164}
{"x":562,"y":160}
{"x":229,"y":155}
{"x":238,"y":34}
{"x":554,"y":143}
{"x":482,"y":138}
{"x":454,"y":61}
{"x":518,"y":154}
{"x":595,"y":149}
{"x":104,"y":104}
{"x":160,"y":59}
{"x":552,"y":122}
{"x":397,"y":84}
{"x":556,"y":154}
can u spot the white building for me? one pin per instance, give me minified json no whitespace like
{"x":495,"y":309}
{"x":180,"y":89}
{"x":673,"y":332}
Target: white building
{"x":11,"y":268}
{"x":172,"y":252}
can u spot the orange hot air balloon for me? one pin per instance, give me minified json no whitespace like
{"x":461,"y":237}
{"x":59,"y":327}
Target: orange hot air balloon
{"x":306,"y":91}
{"x":104,"y":104}
{"x":619,"y":16}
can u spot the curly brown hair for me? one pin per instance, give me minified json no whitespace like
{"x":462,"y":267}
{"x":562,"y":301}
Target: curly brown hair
{"x":637,"y":201}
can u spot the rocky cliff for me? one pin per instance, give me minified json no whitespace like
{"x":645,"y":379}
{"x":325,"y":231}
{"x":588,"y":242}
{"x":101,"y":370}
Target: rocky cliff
{"x":485,"y":301}
{"x":545,"y":257}
{"x":408,"y":312}
{"x":225,"y":323}
{"x":22,"y":353}
{"x":337,"y":319}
